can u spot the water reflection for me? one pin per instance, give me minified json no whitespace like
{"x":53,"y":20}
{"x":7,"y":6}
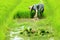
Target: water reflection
{"x":16,"y":38}
{"x":15,"y":35}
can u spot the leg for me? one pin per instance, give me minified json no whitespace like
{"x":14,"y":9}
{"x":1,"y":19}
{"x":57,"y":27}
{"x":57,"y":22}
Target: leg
{"x":36,"y":15}
{"x":32,"y":13}
{"x":40,"y":13}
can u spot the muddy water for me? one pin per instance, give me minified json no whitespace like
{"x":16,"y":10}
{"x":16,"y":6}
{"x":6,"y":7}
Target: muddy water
{"x":15,"y":35}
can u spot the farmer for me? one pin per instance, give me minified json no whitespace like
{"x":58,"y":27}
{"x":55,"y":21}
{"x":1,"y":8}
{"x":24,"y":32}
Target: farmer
{"x":37,"y":10}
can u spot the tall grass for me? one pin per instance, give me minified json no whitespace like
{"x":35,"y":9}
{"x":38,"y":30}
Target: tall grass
{"x":54,"y":10}
{"x":23,"y":9}
{"x":6,"y":7}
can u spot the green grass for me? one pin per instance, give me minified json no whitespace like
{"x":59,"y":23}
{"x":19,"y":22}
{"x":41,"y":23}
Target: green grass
{"x":8,"y":8}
